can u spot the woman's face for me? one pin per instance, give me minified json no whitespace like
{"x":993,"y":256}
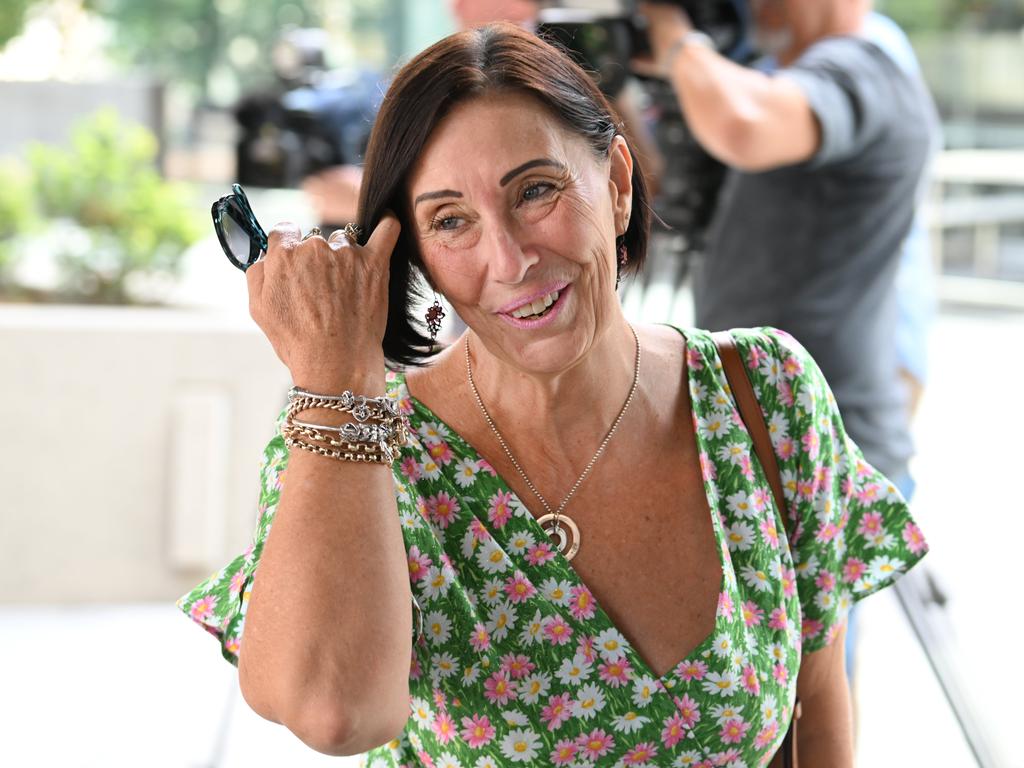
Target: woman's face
{"x":516,"y":220}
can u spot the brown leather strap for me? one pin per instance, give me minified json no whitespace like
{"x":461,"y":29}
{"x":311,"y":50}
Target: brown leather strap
{"x":753,"y":418}
{"x":750,"y":412}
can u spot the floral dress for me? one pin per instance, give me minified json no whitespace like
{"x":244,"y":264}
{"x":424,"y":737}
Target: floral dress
{"x":517,"y":663}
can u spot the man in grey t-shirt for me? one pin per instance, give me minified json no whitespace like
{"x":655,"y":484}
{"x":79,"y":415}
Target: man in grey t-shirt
{"x":828,"y":156}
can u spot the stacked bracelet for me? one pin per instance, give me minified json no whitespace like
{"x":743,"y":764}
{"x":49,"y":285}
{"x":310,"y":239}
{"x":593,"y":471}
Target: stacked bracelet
{"x":375,"y":436}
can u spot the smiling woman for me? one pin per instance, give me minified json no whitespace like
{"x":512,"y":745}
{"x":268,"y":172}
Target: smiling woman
{"x":662,"y":609}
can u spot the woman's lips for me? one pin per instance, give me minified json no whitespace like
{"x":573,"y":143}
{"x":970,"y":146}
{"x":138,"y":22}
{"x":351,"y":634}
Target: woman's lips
{"x":548,"y":317}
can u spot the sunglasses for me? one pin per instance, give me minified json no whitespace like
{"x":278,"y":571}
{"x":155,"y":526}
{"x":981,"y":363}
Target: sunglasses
{"x":240,"y":235}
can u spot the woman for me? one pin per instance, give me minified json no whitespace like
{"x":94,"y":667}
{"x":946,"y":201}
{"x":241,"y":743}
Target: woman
{"x":671,"y":618}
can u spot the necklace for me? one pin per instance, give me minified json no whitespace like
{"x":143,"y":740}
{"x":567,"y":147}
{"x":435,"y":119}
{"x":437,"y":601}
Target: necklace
{"x":555,"y":524}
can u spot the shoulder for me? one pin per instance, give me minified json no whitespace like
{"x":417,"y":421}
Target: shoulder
{"x":848,"y":52}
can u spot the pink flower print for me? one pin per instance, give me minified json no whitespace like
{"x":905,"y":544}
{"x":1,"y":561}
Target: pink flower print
{"x":674,"y":731}
{"x":689,"y":710}
{"x":870,"y":525}
{"x":564,"y":752}
{"x":747,"y":466}
{"x":519,"y":588}
{"x":811,"y":443}
{"x":693,"y":359}
{"x":517,"y":666}
{"x":854,"y":570}
{"x":789,"y":582}
{"x":733,"y":731}
{"x":792,"y":367}
{"x":786,"y":448}
{"x":585,"y":648}
{"x":726,"y":758}
{"x":237,"y":582}
{"x":707,"y":468}
{"x":759,"y":499}
{"x":439,"y":700}
{"x":767,"y":735}
{"x":640,"y":754}
{"x":752,"y":614}
{"x":725,"y":605}
{"x":914,"y":538}
{"x":411,"y":469}
{"x":415,"y":670}
{"x":500,"y":511}
{"x":441,"y":453}
{"x":595,"y":744}
{"x":478,"y":530}
{"x":444,"y":727}
{"x":202,"y":609}
{"x":811,"y":628}
{"x":827,"y":532}
{"x":581,"y":603}
{"x":442,"y":509}
{"x":825,"y":581}
{"x":616,"y":672}
{"x":778,"y":619}
{"x":498,"y":689}
{"x":232,"y":645}
{"x":750,"y":681}
{"x":756,"y":356}
{"x":557,"y":630}
{"x":485,"y":466}
{"x":477,"y":730}
{"x":540,"y":554}
{"x":780,"y":673}
{"x":425,"y":758}
{"x":770,"y":532}
{"x":479,"y":638}
{"x":419,"y":564}
{"x":692,"y":670}
{"x":785,"y":390}
{"x":869,"y":494}
{"x":557,"y":711}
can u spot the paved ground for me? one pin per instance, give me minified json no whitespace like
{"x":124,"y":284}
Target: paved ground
{"x":135,"y":686}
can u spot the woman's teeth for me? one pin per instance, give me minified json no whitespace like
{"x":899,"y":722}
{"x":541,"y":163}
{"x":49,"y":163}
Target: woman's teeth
{"x":538,"y":307}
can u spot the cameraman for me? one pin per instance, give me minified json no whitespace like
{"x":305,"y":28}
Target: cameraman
{"x":827,"y":156}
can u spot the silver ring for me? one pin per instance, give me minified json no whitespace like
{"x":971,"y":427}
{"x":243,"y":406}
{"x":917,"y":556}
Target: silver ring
{"x":352,"y":232}
{"x":314,"y":232}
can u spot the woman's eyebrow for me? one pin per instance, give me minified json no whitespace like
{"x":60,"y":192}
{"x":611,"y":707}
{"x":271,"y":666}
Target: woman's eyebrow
{"x":527,"y":166}
{"x":433,"y":195}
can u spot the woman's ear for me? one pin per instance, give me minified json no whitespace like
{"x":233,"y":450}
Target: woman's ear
{"x":620,"y":182}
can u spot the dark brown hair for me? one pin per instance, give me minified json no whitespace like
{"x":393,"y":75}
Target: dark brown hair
{"x":497,"y":57}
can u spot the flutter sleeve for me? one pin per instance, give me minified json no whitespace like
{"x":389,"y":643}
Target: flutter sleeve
{"x":218,"y":604}
{"x":850,"y":531}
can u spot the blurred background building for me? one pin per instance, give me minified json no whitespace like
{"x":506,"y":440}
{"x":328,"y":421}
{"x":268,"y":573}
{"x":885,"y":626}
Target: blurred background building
{"x":137,"y":395}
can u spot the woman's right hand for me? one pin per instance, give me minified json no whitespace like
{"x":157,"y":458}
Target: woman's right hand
{"x":323,"y":304}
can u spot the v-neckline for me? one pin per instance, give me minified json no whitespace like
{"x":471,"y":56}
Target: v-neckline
{"x":669,"y":680}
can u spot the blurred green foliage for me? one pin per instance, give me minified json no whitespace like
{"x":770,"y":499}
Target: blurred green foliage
{"x":12,"y":18}
{"x":915,"y":15}
{"x":17,"y":212}
{"x":107,"y":213}
{"x":198,"y":41}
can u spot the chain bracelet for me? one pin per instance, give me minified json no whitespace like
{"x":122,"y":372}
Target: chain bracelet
{"x":360,"y":454}
{"x":360,"y":406}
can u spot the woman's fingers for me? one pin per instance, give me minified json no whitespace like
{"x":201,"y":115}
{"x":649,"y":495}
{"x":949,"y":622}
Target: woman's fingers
{"x":384,"y":236}
{"x":286,"y":233}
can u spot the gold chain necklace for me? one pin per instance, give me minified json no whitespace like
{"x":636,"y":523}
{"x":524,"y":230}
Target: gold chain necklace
{"x":555,"y":524}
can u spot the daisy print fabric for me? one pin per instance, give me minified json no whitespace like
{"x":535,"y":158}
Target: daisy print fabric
{"x":517,"y":663}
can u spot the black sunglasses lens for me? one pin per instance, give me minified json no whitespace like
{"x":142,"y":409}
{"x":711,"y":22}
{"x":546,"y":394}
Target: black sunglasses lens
{"x":236,"y":239}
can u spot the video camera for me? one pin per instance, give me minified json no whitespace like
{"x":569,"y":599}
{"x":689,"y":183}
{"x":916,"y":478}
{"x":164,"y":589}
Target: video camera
{"x":605,"y":36}
{"x":314,"y":119}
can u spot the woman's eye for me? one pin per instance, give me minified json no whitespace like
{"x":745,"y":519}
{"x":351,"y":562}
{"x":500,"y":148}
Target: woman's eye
{"x":537,"y":190}
{"x":445,"y":223}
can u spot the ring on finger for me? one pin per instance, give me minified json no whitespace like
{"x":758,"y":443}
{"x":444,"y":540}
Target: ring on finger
{"x":352,"y":232}
{"x":314,"y":232}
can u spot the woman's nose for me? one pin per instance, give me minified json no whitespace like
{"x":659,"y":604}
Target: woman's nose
{"x":507,"y":260}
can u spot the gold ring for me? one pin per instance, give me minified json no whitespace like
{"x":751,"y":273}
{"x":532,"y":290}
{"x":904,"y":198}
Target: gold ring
{"x":352,"y":232}
{"x":314,"y":232}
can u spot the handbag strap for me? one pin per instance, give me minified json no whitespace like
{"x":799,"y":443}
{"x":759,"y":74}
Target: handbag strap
{"x":750,"y":412}
{"x":753,"y":418}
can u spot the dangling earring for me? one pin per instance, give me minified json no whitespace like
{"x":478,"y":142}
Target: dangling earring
{"x":435,"y":313}
{"x":623,"y":259}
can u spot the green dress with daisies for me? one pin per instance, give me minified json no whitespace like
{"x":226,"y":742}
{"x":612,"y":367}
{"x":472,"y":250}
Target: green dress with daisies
{"x":518,"y":663}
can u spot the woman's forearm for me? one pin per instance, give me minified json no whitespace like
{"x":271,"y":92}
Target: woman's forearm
{"x":327,"y":641}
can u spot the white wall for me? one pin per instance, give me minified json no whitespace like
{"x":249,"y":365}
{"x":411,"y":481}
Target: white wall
{"x":130,"y":447}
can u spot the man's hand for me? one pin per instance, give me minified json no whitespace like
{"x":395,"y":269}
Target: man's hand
{"x":665,"y":25}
